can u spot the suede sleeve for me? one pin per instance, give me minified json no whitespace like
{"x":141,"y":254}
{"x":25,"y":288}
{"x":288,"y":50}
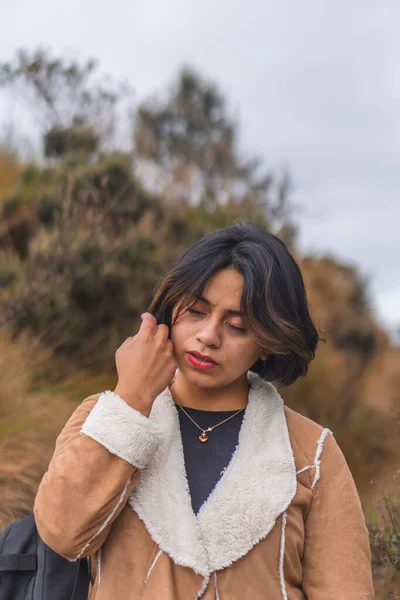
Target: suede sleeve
{"x":337,"y":559}
{"x":94,"y":468}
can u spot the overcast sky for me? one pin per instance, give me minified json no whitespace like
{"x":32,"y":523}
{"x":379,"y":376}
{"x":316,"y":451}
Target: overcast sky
{"x":315,"y":85}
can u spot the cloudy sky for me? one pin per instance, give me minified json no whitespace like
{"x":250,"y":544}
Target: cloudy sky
{"x":315,"y":85}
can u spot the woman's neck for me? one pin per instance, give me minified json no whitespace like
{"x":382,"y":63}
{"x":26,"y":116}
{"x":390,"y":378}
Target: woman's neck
{"x":231,"y":397}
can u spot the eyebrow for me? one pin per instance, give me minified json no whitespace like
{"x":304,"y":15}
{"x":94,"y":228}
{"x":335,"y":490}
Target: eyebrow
{"x":229,"y":311}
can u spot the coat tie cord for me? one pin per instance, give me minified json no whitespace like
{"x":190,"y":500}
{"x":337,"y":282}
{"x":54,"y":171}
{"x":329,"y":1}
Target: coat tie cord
{"x":216,"y":586}
{"x":317,"y":461}
{"x":281,"y":558}
{"x":203,"y":588}
{"x":107,"y":521}
{"x":318,"y":453}
{"x":153,"y":564}
{"x":98,"y":556}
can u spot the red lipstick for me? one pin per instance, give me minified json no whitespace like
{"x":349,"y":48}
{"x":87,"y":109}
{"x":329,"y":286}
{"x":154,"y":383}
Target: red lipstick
{"x":201,"y":361}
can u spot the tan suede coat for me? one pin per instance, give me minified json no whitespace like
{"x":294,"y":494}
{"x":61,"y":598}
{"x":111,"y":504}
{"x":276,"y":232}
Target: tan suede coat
{"x":283,"y":523}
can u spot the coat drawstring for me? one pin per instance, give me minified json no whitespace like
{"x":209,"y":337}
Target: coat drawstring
{"x":216,"y":586}
{"x":98,"y":557}
{"x":153,"y":564}
{"x":205,"y":586}
{"x":281,"y":558}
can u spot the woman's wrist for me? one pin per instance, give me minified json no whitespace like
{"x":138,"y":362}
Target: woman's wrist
{"x":135,"y":400}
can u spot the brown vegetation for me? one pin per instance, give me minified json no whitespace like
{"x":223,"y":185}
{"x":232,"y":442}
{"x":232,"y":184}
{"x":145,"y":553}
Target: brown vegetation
{"x":85,"y":235}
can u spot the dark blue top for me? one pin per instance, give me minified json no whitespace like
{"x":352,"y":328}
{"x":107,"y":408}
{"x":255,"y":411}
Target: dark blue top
{"x":205,"y":462}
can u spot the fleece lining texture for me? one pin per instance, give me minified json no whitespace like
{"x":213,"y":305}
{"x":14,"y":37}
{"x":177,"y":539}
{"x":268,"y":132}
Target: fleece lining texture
{"x":121,"y":429}
{"x":256,"y":487}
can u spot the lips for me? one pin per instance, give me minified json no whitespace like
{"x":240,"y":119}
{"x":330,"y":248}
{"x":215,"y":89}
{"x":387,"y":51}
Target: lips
{"x":195,"y":360}
{"x":203,"y":357}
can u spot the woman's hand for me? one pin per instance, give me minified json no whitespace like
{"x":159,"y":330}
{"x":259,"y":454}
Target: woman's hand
{"x":145,"y":365}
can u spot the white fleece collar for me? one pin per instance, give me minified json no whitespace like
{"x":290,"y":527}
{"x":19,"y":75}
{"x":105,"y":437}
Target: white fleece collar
{"x":256,"y":487}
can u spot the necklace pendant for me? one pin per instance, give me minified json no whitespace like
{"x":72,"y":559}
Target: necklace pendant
{"x":203,"y":437}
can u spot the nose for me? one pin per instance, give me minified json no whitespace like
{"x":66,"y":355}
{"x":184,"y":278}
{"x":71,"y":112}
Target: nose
{"x":209,"y":333}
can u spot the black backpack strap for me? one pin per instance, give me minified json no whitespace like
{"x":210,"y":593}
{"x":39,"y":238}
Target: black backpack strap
{"x":18,"y":562}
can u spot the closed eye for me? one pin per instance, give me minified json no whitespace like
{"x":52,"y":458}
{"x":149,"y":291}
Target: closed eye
{"x":237,"y":329}
{"x":194,"y":312}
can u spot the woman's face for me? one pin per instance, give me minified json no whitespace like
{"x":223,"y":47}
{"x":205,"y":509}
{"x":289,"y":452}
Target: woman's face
{"x":214,"y":327}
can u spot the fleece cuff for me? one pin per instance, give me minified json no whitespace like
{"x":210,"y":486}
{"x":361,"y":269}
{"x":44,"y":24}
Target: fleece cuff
{"x":121,"y":429}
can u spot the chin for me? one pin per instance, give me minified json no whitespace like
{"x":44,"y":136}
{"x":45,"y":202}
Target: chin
{"x":201,"y":379}
{"x":206,"y":380}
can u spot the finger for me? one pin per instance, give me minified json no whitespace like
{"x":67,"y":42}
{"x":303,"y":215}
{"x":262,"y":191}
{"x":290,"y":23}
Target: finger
{"x":162,"y":332}
{"x":149,"y":323}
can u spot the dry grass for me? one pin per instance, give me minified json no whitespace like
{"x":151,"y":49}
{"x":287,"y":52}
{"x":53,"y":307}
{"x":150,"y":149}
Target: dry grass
{"x":31,"y":418}
{"x":23,"y":461}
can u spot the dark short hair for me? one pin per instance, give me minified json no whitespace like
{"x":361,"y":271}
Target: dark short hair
{"x":274,"y":299}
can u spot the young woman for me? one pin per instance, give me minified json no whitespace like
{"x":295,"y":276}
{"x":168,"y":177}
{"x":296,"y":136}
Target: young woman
{"x":192,"y":480}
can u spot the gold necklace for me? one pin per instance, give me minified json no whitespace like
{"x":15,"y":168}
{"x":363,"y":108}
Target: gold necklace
{"x":204,"y":437}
